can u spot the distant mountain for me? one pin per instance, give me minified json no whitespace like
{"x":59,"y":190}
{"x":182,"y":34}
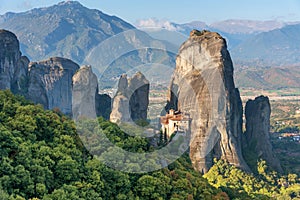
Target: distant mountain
{"x":268,"y":77}
{"x":187,"y":27}
{"x":255,"y":43}
{"x":71,"y":30}
{"x":234,"y":26}
{"x":276,"y":47}
{"x":67,"y":29}
{"x":236,"y":31}
{"x":261,"y":46}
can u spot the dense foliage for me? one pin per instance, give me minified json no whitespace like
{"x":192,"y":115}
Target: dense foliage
{"x":265,"y":184}
{"x":42,"y":157}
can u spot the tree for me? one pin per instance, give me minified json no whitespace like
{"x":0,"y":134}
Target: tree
{"x":292,"y":178}
{"x":149,"y":187}
{"x":262,"y":167}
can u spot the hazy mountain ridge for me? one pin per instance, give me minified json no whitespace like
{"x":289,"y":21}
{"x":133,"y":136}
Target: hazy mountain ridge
{"x":268,"y":49}
{"x":251,"y":42}
{"x":268,"y":78}
{"x":232,"y":26}
{"x":71,"y":30}
{"x":276,"y":47}
{"x":247,"y":26}
{"x":67,"y":29}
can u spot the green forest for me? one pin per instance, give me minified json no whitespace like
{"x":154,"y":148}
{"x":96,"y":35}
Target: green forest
{"x":43,"y":157}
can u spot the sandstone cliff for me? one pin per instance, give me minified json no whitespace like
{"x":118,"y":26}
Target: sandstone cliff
{"x":202,"y":86}
{"x":256,"y":137}
{"x":138,"y":93}
{"x":13,"y":66}
{"x":85,"y":89}
{"x":120,"y":104}
{"x":50,"y":83}
{"x":131,"y":100}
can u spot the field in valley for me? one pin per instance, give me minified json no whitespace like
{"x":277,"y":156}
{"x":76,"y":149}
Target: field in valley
{"x":285,"y":118}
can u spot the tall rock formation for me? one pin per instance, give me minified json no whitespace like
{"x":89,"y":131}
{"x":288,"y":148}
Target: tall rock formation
{"x":256,"y":137}
{"x":203,"y":87}
{"x":13,"y":66}
{"x":85,"y":89}
{"x":50,"y":83}
{"x":120,"y":105}
{"x":131,"y":100}
{"x":138,"y":94}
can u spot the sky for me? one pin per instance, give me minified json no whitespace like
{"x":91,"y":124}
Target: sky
{"x":178,"y":11}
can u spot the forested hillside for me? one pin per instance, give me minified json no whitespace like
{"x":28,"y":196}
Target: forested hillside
{"x":42,"y":157}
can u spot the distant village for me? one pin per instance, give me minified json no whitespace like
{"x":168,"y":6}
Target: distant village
{"x":292,"y":136}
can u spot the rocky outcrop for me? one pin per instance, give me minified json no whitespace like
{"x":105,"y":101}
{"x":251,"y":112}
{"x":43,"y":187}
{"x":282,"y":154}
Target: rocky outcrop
{"x":9,"y":57}
{"x":20,"y":79}
{"x":13,"y":66}
{"x":85,"y":89}
{"x":138,"y":94}
{"x":256,"y":137}
{"x":50,"y":83}
{"x":131,"y":100}
{"x":202,"y":86}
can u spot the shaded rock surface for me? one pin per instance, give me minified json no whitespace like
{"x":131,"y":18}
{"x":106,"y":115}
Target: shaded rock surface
{"x":256,"y":137}
{"x":50,"y":83}
{"x":138,"y":93}
{"x":203,"y":87}
{"x":85,"y":89}
{"x":103,"y":105}
{"x":131,"y":100}
{"x":13,"y":66}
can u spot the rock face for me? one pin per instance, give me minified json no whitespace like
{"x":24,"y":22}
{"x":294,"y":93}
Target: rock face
{"x":20,"y":80}
{"x":50,"y":83}
{"x":256,"y":137}
{"x":131,"y":100}
{"x":138,"y":94}
{"x":85,"y":89}
{"x":202,"y":86}
{"x":13,"y":66}
{"x":120,"y":107}
{"x":103,"y":105}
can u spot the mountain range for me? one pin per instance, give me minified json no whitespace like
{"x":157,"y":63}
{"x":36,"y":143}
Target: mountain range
{"x":73,"y":31}
{"x":67,"y":29}
{"x":263,"y":43}
{"x":275,"y":47}
{"x":268,"y":78}
{"x":113,"y":46}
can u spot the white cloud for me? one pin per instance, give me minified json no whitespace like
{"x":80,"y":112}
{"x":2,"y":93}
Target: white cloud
{"x":156,"y":23}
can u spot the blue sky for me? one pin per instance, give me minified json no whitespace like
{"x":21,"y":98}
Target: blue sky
{"x":178,"y":10}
